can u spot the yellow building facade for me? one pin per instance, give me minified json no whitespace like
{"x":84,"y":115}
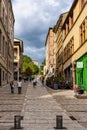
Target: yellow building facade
{"x":49,"y":44}
{"x":71,"y":46}
{"x":75,"y":44}
{"x":18,"y":53}
{"x":59,"y":45}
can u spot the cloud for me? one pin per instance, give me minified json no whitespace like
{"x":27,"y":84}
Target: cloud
{"x":38,"y":51}
{"x":32,"y":21}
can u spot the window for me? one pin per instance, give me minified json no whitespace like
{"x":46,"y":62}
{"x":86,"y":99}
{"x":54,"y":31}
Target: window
{"x":69,"y":49}
{"x":3,"y":14}
{"x":0,"y":40}
{"x":83,"y":31}
{"x":3,"y":75}
{"x":3,"y":46}
{"x":82,"y":3}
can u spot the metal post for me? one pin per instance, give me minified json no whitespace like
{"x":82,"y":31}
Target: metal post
{"x":59,"y":122}
{"x":17,"y":121}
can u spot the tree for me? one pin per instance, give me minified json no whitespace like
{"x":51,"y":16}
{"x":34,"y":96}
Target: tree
{"x":28,"y":72}
{"x":27,"y":63}
{"x":42,"y":67}
{"x":44,"y":62}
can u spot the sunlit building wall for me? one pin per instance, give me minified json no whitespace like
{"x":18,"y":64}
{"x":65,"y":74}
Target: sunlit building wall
{"x":75,"y":44}
{"x":6,"y":41}
{"x":59,"y":45}
{"x":18,"y":53}
{"x":49,"y":44}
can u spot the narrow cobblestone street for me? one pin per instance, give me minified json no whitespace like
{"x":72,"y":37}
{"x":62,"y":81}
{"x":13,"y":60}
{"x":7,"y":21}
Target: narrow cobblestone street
{"x":39,"y":108}
{"x":74,"y":107}
{"x":10,"y":105}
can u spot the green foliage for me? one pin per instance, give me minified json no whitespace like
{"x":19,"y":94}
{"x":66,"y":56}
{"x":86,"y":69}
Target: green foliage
{"x":42,"y":67}
{"x":28,"y":72}
{"x":44,"y":62}
{"x":29,"y":66}
{"x":57,"y":79}
{"x":41,"y":70}
{"x":26,"y":59}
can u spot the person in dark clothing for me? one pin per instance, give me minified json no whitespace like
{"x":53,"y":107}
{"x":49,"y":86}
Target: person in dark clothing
{"x":43,"y":81}
{"x":12,"y":87}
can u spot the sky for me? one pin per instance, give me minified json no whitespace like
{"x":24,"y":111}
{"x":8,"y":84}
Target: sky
{"x":32,"y":21}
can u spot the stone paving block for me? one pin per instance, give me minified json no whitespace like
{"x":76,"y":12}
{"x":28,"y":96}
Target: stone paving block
{"x":10,"y":105}
{"x":73,"y":106}
{"x":40,"y":109}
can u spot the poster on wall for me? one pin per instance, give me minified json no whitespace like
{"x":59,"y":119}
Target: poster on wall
{"x":79,"y":64}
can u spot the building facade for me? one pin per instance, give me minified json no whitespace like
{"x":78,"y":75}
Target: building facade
{"x":49,"y":44}
{"x":6,"y":41}
{"x":59,"y":45}
{"x":75,"y":44}
{"x":18,"y":53}
{"x":71,"y":45}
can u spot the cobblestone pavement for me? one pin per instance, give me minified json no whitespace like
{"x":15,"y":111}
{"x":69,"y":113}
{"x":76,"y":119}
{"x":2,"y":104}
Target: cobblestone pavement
{"x":74,"y":107}
{"x":38,"y":107}
{"x":41,"y":109}
{"x":10,"y":105}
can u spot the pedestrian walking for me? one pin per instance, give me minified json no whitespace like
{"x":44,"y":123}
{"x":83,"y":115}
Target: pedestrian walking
{"x":12,"y":87}
{"x":43,"y":81}
{"x":19,"y":84}
{"x":34,"y":82}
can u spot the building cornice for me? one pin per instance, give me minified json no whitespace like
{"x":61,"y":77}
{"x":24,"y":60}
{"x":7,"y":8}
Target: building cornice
{"x":70,"y":12}
{"x":50,"y":28}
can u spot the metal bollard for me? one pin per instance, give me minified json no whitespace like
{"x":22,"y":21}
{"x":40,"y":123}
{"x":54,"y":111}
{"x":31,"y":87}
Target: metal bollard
{"x":17,"y":121}
{"x":59,"y":122}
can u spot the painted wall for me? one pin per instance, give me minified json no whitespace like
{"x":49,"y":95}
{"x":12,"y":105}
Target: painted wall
{"x":81,"y":73}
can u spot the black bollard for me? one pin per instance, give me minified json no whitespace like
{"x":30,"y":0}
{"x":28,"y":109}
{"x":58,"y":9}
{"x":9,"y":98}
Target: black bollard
{"x":17,"y":121}
{"x":59,"y":122}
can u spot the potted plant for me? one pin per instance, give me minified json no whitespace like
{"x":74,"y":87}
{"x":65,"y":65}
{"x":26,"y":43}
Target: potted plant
{"x":80,"y":90}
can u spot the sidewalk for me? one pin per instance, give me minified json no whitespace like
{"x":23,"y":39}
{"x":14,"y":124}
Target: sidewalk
{"x":40,"y":111}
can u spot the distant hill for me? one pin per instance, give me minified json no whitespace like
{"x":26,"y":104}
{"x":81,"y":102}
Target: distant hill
{"x":28,"y":64}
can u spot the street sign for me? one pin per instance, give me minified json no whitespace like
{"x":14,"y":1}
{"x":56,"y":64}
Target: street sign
{"x":79,"y":65}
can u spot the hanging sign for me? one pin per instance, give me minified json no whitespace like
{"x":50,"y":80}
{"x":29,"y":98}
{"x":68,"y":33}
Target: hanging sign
{"x":79,"y":64}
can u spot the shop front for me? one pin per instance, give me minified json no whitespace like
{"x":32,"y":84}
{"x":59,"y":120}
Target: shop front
{"x":81,"y":72}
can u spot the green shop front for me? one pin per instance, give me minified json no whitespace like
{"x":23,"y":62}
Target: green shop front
{"x":81,"y":72}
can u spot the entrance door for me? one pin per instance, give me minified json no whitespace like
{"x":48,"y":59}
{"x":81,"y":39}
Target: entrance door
{"x":85,"y":74}
{"x":0,"y":76}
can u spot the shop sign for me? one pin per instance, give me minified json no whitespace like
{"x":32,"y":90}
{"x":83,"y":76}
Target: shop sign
{"x":79,"y":64}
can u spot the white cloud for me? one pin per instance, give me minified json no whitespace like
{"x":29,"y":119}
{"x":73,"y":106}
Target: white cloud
{"x":35,"y":53}
{"x":32,"y":21}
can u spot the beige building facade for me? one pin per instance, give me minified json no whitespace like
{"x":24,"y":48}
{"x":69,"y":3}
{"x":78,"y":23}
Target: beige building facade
{"x":6,"y":41}
{"x":75,"y":44}
{"x":49,"y":44}
{"x":59,"y":45}
{"x":18,"y":53}
{"x":71,"y":45}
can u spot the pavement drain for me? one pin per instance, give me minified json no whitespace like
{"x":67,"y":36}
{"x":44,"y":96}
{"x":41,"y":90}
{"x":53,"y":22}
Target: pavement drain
{"x":72,"y":117}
